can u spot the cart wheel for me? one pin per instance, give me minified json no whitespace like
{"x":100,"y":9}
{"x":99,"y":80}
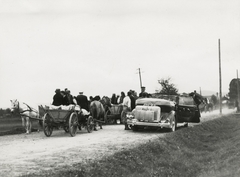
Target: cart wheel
{"x":73,"y":124}
{"x":47,"y":127}
{"x":112,"y":119}
{"x":90,"y":124}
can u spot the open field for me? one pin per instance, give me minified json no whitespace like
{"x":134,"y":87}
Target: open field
{"x":9,"y":123}
{"x":13,"y":125}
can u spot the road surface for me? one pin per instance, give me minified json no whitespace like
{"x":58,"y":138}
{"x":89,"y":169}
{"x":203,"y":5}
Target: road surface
{"x":23,"y":154}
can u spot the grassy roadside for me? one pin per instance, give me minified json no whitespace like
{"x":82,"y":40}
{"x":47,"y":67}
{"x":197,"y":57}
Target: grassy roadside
{"x":209,"y":149}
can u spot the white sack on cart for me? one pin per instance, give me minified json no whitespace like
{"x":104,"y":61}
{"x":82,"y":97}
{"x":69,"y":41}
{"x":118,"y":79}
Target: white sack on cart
{"x":85,"y":112}
{"x":63,"y":107}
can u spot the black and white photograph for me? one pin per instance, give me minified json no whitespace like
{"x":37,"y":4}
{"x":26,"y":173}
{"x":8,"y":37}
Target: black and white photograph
{"x":113,"y":88}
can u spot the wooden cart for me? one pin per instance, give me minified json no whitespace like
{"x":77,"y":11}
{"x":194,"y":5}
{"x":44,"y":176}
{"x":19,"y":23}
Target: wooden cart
{"x":70,"y":120}
{"x":113,"y":114}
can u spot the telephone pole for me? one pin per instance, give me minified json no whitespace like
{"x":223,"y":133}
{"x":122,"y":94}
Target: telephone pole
{"x":220,"y":79}
{"x":139,"y":71}
{"x":238,"y":99}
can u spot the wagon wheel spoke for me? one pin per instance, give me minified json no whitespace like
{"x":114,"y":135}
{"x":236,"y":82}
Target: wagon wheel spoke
{"x":73,"y":124}
{"x":47,"y":127}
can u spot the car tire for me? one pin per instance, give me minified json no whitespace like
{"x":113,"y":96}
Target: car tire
{"x":134,"y":128}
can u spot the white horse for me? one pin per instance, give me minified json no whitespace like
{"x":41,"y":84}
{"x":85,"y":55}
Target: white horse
{"x":27,"y":114}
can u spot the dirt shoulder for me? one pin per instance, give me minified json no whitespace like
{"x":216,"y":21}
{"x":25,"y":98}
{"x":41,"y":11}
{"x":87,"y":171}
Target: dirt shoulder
{"x":23,"y":154}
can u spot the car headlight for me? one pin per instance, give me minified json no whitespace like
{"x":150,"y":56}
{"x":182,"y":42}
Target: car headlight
{"x":129,"y":116}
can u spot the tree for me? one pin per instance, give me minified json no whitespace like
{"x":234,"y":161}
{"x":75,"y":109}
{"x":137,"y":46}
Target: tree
{"x":214,"y":99}
{"x":4,"y":112}
{"x":168,"y":88}
{"x":233,"y":89}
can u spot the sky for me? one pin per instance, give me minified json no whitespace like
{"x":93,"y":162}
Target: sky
{"x":98,"y":46}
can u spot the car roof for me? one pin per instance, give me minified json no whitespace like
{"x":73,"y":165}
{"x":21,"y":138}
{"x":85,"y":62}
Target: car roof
{"x":154,"y":101}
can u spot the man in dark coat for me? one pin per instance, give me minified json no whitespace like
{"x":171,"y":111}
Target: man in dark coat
{"x":65,"y":99}
{"x":143,"y":93}
{"x":57,"y":98}
{"x":82,"y":101}
{"x":133,"y":100}
{"x":69,"y":97}
{"x":198,"y":99}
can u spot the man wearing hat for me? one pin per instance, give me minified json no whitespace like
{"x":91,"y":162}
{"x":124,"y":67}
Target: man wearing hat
{"x":82,"y":101}
{"x":126,"y":108}
{"x":69,"y":97}
{"x":143,"y":93}
{"x":57,"y":98}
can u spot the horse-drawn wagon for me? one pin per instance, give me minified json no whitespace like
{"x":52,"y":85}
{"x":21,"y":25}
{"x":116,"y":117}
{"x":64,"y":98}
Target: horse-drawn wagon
{"x":70,"y":118}
{"x":113,"y":114}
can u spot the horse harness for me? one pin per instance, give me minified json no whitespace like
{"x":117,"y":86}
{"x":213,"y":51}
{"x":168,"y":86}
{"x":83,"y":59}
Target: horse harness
{"x":27,"y":110}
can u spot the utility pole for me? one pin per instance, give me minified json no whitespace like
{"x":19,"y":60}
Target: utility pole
{"x":139,"y":71}
{"x":238,"y":99}
{"x":220,"y":79}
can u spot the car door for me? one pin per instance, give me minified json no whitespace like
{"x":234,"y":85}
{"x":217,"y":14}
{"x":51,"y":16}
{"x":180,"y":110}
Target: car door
{"x":186,"y":110}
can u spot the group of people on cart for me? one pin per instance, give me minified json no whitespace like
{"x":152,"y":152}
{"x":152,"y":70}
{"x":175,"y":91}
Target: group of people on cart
{"x":65,"y":98}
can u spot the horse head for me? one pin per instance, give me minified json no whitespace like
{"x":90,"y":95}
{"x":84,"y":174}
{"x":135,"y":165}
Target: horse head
{"x":14,"y":105}
{"x":106,"y":101}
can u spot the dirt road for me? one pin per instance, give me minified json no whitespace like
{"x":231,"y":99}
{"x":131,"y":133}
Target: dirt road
{"x":23,"y":154}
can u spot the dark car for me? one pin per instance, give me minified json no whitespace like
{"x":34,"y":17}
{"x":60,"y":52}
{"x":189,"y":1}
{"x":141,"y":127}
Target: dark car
{"x":187,"y":110}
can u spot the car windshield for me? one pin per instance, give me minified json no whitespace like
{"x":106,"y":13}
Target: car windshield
{"x":186,"y":101}
{"x":166,"y":109}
